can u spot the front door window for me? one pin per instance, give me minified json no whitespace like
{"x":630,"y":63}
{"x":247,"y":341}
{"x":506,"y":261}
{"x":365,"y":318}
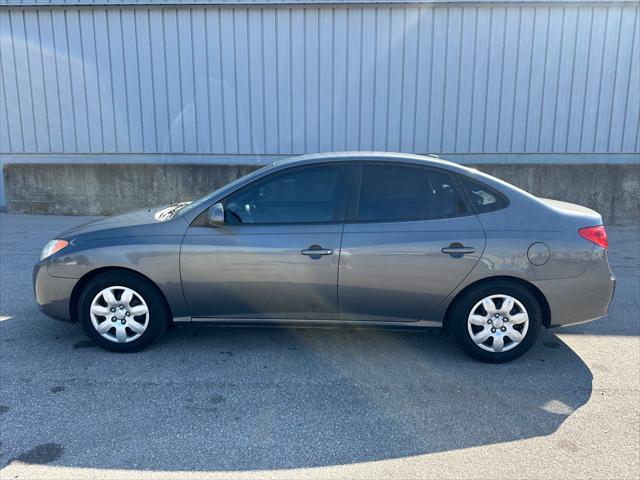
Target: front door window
{"x":301,"y":195}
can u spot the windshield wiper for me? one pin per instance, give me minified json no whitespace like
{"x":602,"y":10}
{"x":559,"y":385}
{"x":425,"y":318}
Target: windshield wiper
{"x":170,"y":211}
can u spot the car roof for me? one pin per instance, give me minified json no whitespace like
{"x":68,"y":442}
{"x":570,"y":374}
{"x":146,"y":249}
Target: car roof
{"x":370,"y":156}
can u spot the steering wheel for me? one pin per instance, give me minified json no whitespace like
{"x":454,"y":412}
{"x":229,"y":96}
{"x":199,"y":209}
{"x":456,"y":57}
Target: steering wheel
{"x":237,"y":213}
{"x":235,"y":216}
{"x":242,"y":211}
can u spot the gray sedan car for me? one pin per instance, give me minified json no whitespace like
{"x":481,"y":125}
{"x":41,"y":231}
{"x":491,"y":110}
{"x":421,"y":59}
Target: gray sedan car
{"x":338,"y":239}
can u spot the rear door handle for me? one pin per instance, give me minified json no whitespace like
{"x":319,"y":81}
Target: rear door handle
{"x":457,"y":249}
{"x":316,"y":251}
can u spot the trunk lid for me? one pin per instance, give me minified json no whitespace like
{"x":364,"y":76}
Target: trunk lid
{"x":583,"y":216}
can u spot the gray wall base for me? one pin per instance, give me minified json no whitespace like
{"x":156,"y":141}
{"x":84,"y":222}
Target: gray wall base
{"x":105,"y":189}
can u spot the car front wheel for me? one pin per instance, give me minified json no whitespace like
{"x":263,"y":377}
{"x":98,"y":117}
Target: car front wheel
{"x":496,"y":323}
{"x":122,"y":312}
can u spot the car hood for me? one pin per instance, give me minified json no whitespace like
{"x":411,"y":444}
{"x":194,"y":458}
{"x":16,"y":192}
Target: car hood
{"x":139,"y":222}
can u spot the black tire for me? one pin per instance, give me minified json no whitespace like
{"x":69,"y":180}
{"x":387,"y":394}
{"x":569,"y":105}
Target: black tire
{"x":462,"y":309}
{"x":158,"y":315}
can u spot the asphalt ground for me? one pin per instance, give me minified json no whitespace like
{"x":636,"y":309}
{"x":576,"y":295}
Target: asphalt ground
{"x":312,"y":403}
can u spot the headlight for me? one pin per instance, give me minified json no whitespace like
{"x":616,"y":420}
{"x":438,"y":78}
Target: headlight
{"x":52,"y":247}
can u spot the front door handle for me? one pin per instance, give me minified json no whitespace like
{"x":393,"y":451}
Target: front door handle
{"x":316,"y":251}
{"x":457,"y":250}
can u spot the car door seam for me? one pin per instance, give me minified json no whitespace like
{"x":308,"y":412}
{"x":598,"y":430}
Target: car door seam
{"x":184,"y":296}
{"x":338,"y":274}
{"x":484,"y":247}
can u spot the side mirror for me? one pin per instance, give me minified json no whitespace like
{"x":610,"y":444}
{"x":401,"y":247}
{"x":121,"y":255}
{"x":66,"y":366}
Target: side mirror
{"x":215,"y":215}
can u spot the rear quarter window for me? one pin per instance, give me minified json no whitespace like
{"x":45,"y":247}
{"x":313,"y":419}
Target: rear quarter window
{"x":482,"y":197}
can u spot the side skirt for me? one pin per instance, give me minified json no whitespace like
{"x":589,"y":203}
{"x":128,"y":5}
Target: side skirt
{"x":289,"y":322}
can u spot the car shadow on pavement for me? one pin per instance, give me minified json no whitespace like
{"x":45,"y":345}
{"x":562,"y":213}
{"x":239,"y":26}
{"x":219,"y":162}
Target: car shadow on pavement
{"x":237,"y":399}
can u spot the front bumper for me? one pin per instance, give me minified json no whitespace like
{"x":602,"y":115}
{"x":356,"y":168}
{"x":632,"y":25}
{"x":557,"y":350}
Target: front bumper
{"x":580,"y":299}
{"x":53,"y":294}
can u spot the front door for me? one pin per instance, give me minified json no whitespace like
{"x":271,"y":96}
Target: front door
{"x":277,"y":255}
{"x":410,"y":243}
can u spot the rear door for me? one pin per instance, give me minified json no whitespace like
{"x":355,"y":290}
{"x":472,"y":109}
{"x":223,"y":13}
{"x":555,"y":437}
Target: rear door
{"x":409,"y":241}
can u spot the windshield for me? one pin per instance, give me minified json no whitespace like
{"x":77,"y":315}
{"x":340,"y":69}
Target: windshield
{"x":203,"y":200}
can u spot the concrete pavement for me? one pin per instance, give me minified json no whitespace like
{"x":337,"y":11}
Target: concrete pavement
{"x":312,"y":403}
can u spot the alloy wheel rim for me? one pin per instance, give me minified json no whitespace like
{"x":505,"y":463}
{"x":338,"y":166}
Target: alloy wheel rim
{"x":119,"y":314}
{"x":498,"y":323}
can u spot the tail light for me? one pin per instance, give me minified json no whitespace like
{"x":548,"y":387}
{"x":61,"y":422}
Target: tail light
{"x":597,"y":235}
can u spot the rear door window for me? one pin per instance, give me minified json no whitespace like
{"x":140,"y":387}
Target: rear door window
{"x":392,"y":193}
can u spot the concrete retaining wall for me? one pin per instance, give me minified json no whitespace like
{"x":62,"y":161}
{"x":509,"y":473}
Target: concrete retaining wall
{"x":104,"y":189}
{"x":613,"y":190}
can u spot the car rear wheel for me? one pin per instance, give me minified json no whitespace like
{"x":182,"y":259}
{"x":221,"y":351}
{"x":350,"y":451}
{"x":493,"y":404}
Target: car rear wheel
{"x":496,"y":322}
{"x":122,"y":312}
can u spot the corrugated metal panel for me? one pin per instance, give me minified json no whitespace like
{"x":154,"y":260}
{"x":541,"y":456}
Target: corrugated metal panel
{"x":254,"y":80}
{"x":282,"y":2}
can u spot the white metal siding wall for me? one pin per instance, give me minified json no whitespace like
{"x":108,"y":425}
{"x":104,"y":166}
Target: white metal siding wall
{"x":452,"y":78}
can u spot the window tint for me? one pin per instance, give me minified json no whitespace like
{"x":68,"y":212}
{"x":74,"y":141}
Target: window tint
{"x":301,"y":195}
{"x":483,"y":198}
{"x":395,"y":193}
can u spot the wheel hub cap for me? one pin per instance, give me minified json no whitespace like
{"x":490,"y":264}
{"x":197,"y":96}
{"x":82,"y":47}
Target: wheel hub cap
{"x":119,"y":314}
{"x":498,"y":323}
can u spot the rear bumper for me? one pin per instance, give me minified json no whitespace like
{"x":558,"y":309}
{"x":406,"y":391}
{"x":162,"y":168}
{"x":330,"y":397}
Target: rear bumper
{"x":53,"y":294}
{"x":580,"y":299}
